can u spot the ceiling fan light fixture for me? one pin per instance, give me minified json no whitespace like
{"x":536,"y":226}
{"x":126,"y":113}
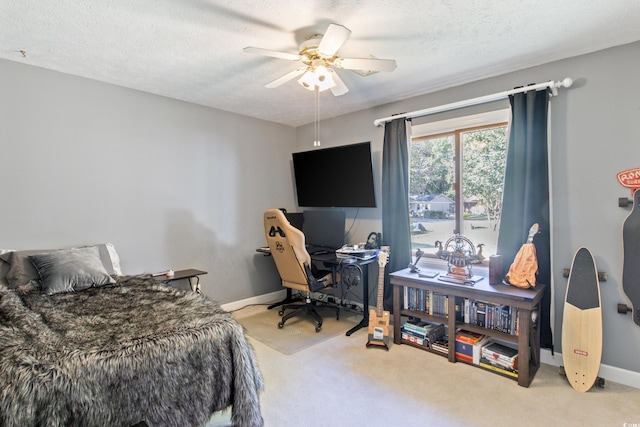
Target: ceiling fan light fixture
{"x":319,"y":77}
{"x":324,"y":80}
{"x":307,"y":80}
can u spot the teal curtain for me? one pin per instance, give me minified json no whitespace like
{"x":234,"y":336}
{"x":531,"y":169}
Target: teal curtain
{"x":526,"y":193}
{"x":395,"y":201}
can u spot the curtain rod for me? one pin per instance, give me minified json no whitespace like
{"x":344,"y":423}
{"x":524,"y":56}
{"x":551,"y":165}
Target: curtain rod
{"x":567,"y":82}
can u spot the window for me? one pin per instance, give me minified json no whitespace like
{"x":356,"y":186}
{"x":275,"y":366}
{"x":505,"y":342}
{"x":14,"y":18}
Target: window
{"x":456,"y":180}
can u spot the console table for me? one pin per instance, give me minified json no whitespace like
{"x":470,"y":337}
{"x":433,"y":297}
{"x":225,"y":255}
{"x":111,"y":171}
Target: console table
{"x":526,"y":300}
{"x":189,"y":274}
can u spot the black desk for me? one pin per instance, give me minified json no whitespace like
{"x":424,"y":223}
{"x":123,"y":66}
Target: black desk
{"x":332,"y":261}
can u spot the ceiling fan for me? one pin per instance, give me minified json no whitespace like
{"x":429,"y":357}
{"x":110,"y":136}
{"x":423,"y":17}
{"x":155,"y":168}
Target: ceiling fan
{"x":318,"y":55}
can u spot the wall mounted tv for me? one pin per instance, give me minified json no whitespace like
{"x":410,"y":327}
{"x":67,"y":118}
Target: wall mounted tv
{"x":335,"y":177}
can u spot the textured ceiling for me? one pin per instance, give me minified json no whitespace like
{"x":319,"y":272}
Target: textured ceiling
{"x":192,"y":49}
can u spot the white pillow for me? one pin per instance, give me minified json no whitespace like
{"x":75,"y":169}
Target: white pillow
{"x":110,"y":258}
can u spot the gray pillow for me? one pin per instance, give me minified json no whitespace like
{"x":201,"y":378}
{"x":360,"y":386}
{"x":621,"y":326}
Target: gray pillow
{"x":20,"y":270}
{"x":4,"y":265}
{"x":70,"y":270}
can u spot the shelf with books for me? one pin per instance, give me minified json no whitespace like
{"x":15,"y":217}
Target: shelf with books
{"x":424,"y":335}
{"x":478,"y":316}
{"x":499,"y":317}
{"x":506,"y":315}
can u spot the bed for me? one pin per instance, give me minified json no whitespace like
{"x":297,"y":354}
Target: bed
{"x":83,"y":345}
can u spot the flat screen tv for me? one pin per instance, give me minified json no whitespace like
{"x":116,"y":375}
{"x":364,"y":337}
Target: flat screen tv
{"x":340,"y":177}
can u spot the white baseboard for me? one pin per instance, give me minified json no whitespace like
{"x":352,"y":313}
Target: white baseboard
{"x":260,"y":299}
{"x":609,"y":373}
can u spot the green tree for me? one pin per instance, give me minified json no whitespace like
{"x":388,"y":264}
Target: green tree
{"x":484,"y":156}
{"x":432,"y":166}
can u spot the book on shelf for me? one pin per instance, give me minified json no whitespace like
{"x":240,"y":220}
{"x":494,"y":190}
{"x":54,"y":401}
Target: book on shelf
{"x":416,"y":299}
{"x":481,"y":312}
{"x":484,"y":364}
{"x":500,"y":355}
{"x":459,"y":309}
{"x":477,"y":349}
{"x":497,"y":317}
{"x":468,"y":336}
{"x":417,"y":326}
{"x":441,"y":346}
{"x":464,"y":351}
{"x":469,"y":346}
{"x":422,"y":333}
{"x":430,"y":302}
{"x":439,"y":304}
{"x":415,"y":339}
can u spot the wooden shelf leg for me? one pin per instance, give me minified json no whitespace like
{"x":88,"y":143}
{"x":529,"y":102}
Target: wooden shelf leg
{"x":524,"y":320}
{"x":396,"y":314}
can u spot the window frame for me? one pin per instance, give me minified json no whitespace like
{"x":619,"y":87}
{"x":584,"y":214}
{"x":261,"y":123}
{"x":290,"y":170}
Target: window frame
{"x":456,"y":127}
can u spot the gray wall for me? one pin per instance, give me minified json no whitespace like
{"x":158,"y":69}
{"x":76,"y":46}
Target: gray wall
{"x":170,"y":184}
{"x":595,"y":134}
{"x":175,"y":185}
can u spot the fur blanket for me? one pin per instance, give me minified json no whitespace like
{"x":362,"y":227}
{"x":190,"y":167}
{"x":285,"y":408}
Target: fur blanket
{"x":121,"y":354}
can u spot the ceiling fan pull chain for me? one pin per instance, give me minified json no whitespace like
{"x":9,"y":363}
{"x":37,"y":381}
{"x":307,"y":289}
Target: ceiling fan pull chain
{"x":316,"y":142}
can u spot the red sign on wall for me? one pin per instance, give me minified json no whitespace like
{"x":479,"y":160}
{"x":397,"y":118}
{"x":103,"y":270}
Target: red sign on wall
{"x":630,"y":179}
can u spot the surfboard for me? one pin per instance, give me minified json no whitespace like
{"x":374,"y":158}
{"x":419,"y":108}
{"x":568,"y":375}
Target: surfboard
{"x":582,"y":323}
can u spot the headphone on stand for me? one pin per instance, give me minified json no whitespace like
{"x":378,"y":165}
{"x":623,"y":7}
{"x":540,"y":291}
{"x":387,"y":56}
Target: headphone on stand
{"x":373,"y":241}
{"x":350,"y":275}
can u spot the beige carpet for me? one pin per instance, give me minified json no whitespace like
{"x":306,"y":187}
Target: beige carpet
{"x":298,"y":332}
{"x":340,"y":382}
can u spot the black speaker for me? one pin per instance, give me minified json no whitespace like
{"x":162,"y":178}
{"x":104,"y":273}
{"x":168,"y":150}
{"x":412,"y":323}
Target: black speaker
{"x":495,"y":269}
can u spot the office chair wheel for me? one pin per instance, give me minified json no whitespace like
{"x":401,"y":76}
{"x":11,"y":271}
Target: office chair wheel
{"x":280,"y":325}
{"x":281,"y":312}
{"x":318,"y":327}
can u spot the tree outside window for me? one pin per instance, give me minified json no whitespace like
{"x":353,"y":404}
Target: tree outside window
{"x":455,"y":186}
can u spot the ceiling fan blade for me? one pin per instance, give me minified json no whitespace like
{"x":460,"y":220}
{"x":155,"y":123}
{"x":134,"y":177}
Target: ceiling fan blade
{"x":272,"y":53}
{"x":289,"y":76}
{"x":333,"y":39}
{"x":373,"y":64}
{"x":340,"y":88}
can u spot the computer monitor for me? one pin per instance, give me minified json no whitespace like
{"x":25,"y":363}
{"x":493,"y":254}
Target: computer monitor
{"x":295,"y":218}
{"x":324,"y":229}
